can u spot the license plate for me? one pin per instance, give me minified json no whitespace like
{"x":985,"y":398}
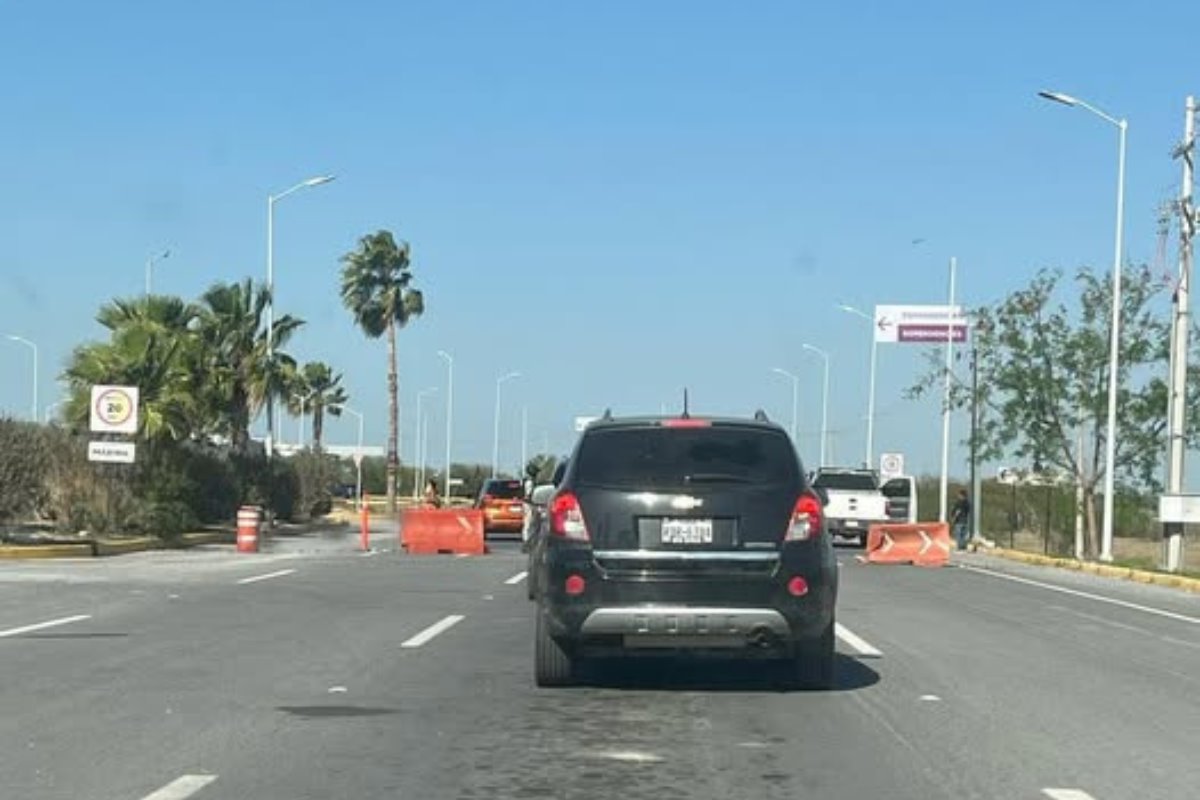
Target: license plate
{"x":516,"y":508}
{"x":686,"y":531}
{"x":851,"y":523}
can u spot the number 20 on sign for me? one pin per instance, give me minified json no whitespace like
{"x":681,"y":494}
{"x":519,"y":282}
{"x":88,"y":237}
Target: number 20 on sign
{"x":114,"y":409}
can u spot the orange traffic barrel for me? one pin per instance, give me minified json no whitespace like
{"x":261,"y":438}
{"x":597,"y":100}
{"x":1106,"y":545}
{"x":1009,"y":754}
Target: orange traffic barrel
{"x":248,"y":522}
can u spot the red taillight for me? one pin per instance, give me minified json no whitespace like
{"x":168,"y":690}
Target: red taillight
{"x":806,"y":519}
{"x":686,"y":422}
{"x":566,"y":517}
{"x":797,"y":587}
{"x":487,"y":498}
{"x":575,"y":585}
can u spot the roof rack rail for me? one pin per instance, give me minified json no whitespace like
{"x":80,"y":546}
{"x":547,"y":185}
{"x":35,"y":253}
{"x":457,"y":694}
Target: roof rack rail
{"x":761,"y":416}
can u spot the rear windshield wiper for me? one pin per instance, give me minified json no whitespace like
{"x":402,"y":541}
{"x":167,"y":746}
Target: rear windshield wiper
{"x":715,"y":477}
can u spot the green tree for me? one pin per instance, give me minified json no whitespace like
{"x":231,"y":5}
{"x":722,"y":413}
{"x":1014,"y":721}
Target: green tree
{"x":317,"y":390}
{"x":233,"y":335}
{"x":377,"y":289}
{"x":1043,"y":381}
{"x":152,"y":346}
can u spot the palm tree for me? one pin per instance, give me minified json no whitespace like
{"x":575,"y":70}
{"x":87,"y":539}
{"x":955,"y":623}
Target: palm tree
{"x":151,"y":345}
{"x":377,"y":289}
{"x":233,"y":334}
{"x":318,"y":390}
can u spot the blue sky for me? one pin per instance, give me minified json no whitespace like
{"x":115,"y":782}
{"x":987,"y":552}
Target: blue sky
{"x":616,"y":199}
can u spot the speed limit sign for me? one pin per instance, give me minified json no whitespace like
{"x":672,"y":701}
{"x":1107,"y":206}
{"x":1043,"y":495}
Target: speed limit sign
{"x":891,"y":465}
{"x":114,"y":409}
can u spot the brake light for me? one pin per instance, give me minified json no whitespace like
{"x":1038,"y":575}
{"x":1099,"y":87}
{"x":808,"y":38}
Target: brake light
{"x":686,"y":422}
{"x":575,"y":585}
{"x":566,"y":517}
{"x":487,"y":498}
{"x":806,"y":519}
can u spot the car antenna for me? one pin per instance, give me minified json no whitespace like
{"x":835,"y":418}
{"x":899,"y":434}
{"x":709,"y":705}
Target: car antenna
{"x":685,"y":414}
{"x":760,"y":416}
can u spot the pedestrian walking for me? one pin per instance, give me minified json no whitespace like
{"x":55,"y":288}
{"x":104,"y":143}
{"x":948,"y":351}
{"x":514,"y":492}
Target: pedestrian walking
{"x":960,"y":519}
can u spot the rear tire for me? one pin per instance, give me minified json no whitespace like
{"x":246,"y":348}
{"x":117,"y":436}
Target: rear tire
{"x":552,"y":665}
{"x":813,"y":664}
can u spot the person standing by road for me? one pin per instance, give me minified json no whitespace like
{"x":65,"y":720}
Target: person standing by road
{"x":960,"y":519}
{"x":432,"y":498}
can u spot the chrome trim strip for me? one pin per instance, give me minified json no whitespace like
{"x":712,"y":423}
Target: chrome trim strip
{"x":687,"y":555}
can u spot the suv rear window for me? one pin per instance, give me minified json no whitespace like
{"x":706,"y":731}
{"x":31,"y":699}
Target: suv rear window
{"x":505,"y":490}
{"x":653,"y":457}
{"x":846,"y":481}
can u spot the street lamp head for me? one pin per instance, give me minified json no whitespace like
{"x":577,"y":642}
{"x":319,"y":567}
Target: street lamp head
{"x":1058,"y":97}
{"x":317,"y":181}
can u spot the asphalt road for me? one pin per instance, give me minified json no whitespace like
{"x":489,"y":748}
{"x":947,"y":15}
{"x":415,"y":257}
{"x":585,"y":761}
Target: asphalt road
{"x":313,"y":671}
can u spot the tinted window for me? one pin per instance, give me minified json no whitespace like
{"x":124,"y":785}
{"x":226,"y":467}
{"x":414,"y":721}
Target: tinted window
{"x":673,"y":457}
{"x":846,"y":481}
{"x":506,"y":490}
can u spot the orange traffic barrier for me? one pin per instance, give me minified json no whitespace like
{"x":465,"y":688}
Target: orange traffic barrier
{"x":364,"y":523}
{"x":925,"y":545}
{"x":249,"y":524}
{"x":426,"y":531}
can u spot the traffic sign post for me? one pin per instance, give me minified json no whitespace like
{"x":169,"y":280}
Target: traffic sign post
{"x":114,"y":409}
{"x":922,"y":324}
{"x":112,"y":452}
{"x":891,"y":465}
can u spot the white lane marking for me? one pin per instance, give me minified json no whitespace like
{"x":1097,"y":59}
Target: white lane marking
{"x":1099,"y":598}
{"x":930,"y":698}
{"x":38,"y":626}
{"x":433,"y":630}
{"x":1067,"y":794}
{"x":855,"y":641}
{"x":276,"y":574}
{"x":337,"y":690}
{"x":515,"y":579}
{"x":630,"y":756}
{"x":462,"y":555}
{"x":181,"y":787}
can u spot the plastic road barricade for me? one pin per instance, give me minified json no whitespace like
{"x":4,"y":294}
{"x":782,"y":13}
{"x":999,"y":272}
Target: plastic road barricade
{"x":248,"y":525}
{"x":425,"y":531}
{"x":925,"y":545}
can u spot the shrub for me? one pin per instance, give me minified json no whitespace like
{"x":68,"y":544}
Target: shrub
{"x":23,"y":467}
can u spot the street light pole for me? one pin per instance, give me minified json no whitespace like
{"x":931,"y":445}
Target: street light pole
{"x":33,"y":410}
{"x":870,"y":460}
{"x":449,"y":412}
{"x":419,"y":442}
{"x":496,"y":426}
{"x":824,"y":401}
{"x":1114,"y":355}
{"x":271,"y":201}
{"x":150,"y":268}
{"x":795,"y":379}
{"x":944,"y":486}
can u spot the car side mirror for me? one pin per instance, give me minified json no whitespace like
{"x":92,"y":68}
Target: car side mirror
{"x":823,"y":494}
{"x":560,"y":472}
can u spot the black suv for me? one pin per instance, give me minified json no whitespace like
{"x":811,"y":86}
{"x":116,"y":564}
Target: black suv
{"x":685,"y":535}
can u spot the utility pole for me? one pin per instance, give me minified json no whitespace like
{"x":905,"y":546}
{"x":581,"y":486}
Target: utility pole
{"x":975,"y":478}
{"x":1180,"y":322}
{"x":944,"y":489}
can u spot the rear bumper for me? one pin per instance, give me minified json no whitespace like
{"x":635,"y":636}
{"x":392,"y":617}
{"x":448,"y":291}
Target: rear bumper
{"x":852,"y":528}
{"x":706,"y":610}
{"x":510,"y":523}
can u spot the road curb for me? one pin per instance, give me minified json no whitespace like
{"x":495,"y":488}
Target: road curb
{"x":1102,"y":570}
{"x":110,"y":547}
{"x":20,"y":552}
{"x":119,"y":547}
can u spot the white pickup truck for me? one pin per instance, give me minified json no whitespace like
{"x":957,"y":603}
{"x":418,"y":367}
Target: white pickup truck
{"x":853,"y":501}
